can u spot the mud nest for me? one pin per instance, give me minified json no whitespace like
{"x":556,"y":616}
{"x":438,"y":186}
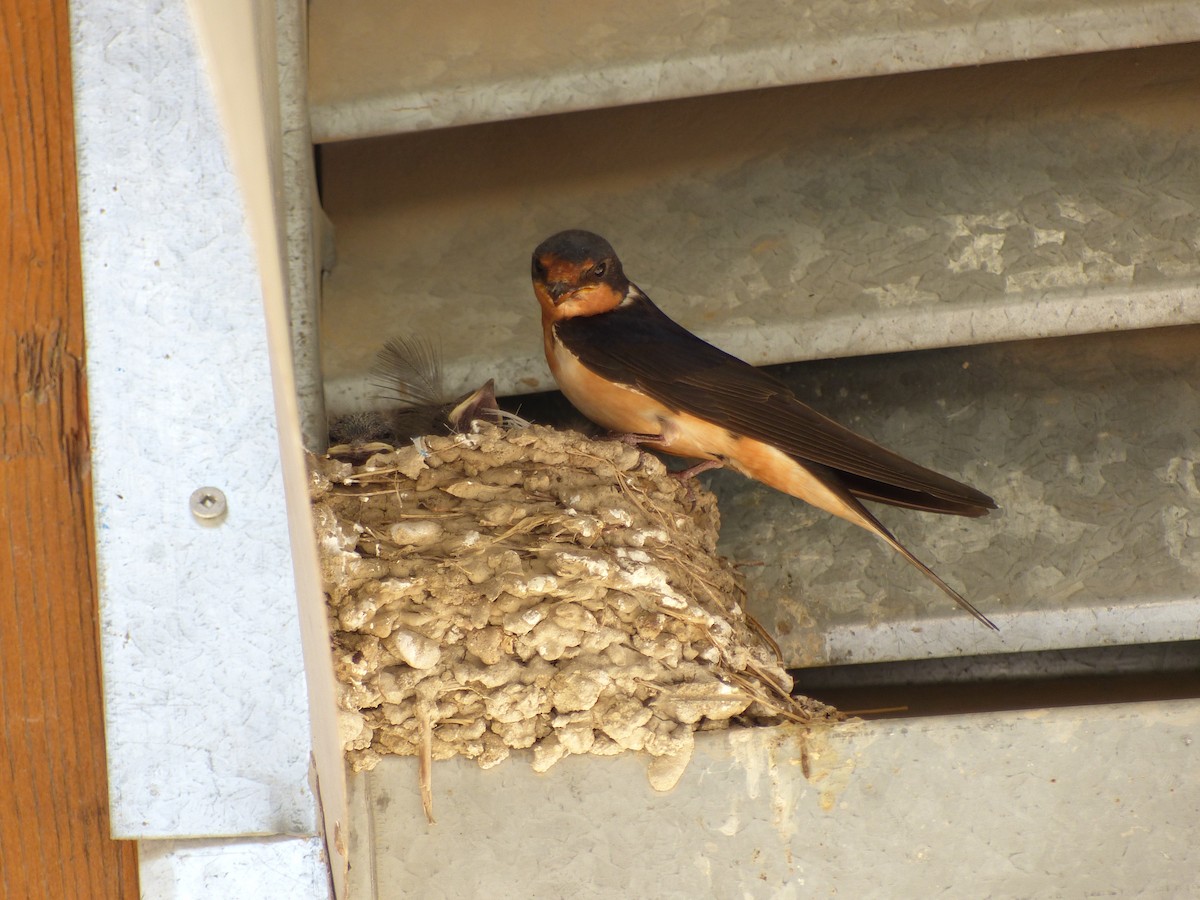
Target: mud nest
{"x":532,"y":588}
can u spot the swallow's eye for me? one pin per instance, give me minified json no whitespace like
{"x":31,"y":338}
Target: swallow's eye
{"x":598,"y":269}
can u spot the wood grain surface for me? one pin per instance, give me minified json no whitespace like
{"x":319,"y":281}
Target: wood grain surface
{"x":54,"y":827}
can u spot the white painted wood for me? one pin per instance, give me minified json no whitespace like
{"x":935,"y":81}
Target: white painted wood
{"x":382,"y":67}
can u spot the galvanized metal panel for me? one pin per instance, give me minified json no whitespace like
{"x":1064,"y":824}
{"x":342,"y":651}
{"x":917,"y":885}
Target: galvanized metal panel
{"x":206,"y":705}
{"x":1096,"y":801}
{"x":1090,"y":446}
{"x":927,"y":210}
{"x":381,"y":67}
{"x":262,"y":868}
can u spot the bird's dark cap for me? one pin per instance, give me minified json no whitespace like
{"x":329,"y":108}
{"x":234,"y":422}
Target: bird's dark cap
{"x":575,"y":246}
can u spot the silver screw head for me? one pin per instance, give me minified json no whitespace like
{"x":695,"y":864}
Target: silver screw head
{"x":207,"y":503}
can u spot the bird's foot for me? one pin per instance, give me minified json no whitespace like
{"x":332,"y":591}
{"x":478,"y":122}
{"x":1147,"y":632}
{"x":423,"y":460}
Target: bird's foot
{"x":685,"y":476}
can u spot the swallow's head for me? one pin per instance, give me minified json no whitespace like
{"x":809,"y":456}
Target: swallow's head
{"x":577,"y":273}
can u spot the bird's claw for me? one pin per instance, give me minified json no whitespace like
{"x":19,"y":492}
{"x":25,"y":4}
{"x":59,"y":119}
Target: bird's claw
{"x":685,"y":476}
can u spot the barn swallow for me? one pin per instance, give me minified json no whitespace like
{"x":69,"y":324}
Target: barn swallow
{"x":630,"y":368}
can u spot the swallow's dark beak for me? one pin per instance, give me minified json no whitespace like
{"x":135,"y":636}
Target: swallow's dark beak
{"x":556,"y":289}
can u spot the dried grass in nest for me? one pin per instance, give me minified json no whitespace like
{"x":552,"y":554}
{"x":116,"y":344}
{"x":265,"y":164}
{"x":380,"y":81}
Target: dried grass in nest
{"x":532,"y":588}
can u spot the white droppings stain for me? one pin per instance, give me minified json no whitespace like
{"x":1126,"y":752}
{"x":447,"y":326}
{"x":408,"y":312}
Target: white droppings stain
{"x":541,"y":584}
{"x":639,"y":556}
{"x":748,"y":753}
{"x":596,"y":566}
{"x":639,"y":538}
{"x":617,"y":516}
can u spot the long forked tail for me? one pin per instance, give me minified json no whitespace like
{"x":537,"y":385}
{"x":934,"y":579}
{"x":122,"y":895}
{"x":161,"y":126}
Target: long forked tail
{"x":825,"y":488}
{"x":871,"y":523}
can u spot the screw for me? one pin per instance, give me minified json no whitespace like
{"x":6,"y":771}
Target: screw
{"x":207,"y":503}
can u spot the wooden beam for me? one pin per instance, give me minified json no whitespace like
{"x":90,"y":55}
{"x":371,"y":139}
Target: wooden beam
{"x":54,"y":831}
